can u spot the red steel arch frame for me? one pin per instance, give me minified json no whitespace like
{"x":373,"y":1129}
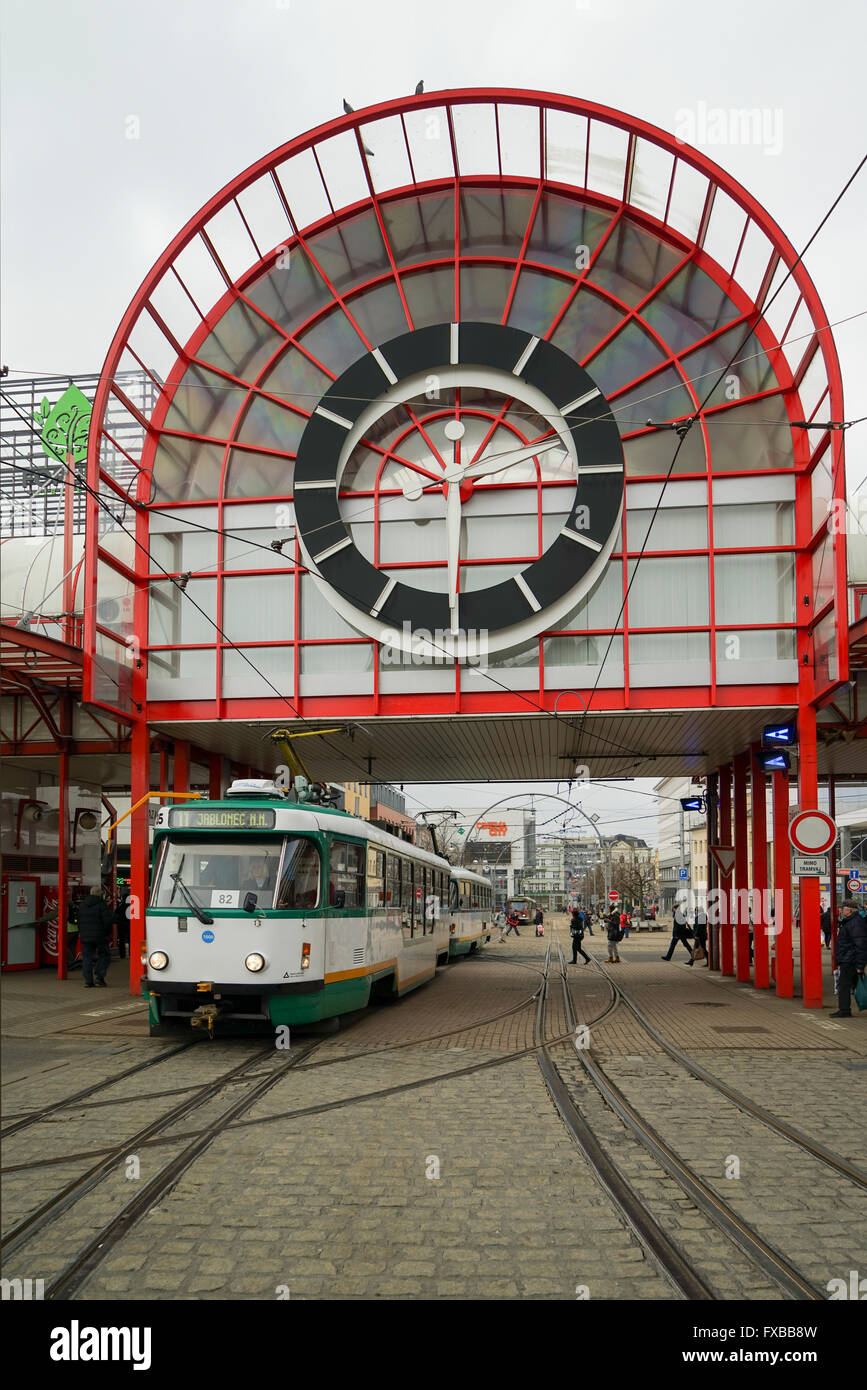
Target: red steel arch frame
{"x":808,"y":538}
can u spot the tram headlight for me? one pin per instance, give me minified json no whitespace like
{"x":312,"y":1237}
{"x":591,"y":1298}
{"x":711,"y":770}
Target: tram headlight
{"x":255,"y":962}
{"x":158,"y":960}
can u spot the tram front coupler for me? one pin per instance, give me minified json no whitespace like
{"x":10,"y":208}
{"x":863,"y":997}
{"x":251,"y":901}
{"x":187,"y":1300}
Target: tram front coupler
{"x":205,"y":1016}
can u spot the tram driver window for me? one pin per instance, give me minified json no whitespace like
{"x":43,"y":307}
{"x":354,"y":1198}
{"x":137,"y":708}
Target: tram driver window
{"x":299,"y":881}
{"x":346,"y":884}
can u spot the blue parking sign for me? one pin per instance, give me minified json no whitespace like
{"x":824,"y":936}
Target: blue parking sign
{"x":683,"y":873}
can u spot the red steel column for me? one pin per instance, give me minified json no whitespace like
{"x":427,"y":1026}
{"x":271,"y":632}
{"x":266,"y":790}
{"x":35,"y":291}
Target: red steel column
{"x":782,"y":887}
{"x":139,"y":851}
{"x":713,"y":879}
{"x":727,"y":958}
{"x":742,"y":923}
{"x":761,"y":942}
{"x":182,"y":766}
{"x":215,"y":776}
{"x":62,"y":844}
{"x":832,"y":864}
{"x":810,"y":898}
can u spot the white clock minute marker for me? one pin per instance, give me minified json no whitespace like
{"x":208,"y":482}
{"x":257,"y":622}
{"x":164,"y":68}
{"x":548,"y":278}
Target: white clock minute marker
{"x":455,"y":431}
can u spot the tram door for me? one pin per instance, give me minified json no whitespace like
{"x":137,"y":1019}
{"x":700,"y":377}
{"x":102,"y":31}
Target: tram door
{"x":20,"y":935}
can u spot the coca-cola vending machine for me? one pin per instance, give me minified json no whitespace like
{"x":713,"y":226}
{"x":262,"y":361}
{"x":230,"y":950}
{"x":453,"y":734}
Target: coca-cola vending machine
{"x":49,"y":931}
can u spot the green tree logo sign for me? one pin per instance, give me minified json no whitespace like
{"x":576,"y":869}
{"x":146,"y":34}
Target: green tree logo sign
{"x":63,"y":428}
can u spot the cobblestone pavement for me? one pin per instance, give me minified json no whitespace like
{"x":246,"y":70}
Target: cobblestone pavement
{"x":449,"y":1186}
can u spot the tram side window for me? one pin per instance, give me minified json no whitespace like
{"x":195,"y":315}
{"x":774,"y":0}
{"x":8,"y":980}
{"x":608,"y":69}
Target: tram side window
{"x":346,"y":884}
{"x":375,"y":880}
{"x":392,"y":882}
{"x":407,"y":898}
{"x":299,"y":881}
{"x":454,"y":895}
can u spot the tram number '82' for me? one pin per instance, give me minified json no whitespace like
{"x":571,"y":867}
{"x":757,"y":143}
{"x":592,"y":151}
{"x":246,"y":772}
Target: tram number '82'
{"x":432,"y":907}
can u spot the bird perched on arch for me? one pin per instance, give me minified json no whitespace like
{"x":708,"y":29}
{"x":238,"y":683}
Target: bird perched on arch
{"x":419,"y":89}
{"x":347,"y":108}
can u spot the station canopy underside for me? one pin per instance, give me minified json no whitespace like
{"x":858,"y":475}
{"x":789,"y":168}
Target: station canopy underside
{"x":528,"y":747}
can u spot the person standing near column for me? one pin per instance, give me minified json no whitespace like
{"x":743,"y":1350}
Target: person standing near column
{"x":851,"y":955}
{"x":94,"y":928}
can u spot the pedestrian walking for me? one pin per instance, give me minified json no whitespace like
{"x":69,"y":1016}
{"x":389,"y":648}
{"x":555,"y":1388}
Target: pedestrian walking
{"x":680,"y":932}
{"x":500,"y":924}
{"x":699,"y":927}
{"x":614,"y":935}
{"x":512,"y":921}
{"x":576,"y":930}
{"x":588,"y":922}
{"x":94,"y":927}
{"x":851,"y":955}
{"x":538,"y":919}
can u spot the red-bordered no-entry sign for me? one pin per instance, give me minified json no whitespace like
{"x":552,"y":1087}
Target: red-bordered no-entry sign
{"x":812,"y":832}
{"x":613,"y":895}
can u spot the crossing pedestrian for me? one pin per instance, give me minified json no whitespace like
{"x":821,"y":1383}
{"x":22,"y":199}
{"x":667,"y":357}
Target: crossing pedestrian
{"x":512,"y":920}
{"x":94,"y":928}
{"x":614,"y":935}
{"x":679,"y":933}
{"x":500,"y":924}
{"x":538,"y":919}
{"x":699,"y":926}
{"x":576,"y":930}
{"x":851,"y":955}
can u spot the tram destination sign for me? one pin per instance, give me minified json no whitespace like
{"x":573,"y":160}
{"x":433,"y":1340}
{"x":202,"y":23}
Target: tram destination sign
{"x":222,"y":818}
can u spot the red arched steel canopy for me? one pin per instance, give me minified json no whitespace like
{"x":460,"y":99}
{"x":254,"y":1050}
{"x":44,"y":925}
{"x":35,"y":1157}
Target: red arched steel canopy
{"x":569,"y":221}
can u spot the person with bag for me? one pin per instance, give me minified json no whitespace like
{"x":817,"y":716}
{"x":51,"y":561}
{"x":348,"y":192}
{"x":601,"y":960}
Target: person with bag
{"x":576,"y":930}
{"x":537,"y":922}
{"x":680,"y":932}
{"x":614,"y":935}
{"x":512,"y":920}
{"x":851,"y":958}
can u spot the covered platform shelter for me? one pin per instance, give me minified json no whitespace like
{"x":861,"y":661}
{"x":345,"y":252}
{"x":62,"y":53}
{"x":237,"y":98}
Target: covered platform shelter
{"x":497,"y":428}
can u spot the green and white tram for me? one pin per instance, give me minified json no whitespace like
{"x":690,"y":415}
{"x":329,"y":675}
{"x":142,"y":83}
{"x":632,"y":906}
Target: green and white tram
{"x":265,"y":911}
{"x":470,"y":912}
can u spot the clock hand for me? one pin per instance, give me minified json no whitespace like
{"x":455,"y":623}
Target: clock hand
{"x":498,"y":461}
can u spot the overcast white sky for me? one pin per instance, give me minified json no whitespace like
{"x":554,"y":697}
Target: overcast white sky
{"x":216,"y":84}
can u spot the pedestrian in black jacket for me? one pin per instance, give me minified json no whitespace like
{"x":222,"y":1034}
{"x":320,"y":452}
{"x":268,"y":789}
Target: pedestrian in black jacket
{"x":94,"y":929}
{"x":576,"y":929}
{"x":851,"y":955}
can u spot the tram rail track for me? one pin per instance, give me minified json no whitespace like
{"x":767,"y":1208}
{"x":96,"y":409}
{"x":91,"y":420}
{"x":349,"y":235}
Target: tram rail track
{"x":787,"y":1278}
{"x":22,"y":1121}
{"x":749,"y":1106}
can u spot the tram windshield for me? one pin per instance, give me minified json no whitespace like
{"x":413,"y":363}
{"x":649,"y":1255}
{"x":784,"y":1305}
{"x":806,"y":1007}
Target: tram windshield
{"x":282,"y":873}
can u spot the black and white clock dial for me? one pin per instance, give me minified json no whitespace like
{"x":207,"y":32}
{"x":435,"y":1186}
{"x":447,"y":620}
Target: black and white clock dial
{"x":457,"y":390}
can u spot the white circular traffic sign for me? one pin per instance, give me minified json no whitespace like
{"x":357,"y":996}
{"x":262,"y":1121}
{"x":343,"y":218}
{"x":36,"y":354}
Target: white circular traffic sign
{"x":812,"y":832}
{"x":613,"y":896}
{"x":854,"y":885}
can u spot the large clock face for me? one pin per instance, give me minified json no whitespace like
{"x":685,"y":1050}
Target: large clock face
{"x":460,"y":478}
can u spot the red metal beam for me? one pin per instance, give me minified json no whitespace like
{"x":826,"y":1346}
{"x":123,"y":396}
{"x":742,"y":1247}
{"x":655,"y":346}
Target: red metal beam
{"x":782,"y":888}
{"x":762,"y":978}
{"x":725,"y":838}
{"x":741,"y":882}
{"x":37,"y":642}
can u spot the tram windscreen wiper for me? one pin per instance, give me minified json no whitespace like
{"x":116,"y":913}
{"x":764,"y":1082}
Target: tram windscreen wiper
{"x":189,"y":899}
